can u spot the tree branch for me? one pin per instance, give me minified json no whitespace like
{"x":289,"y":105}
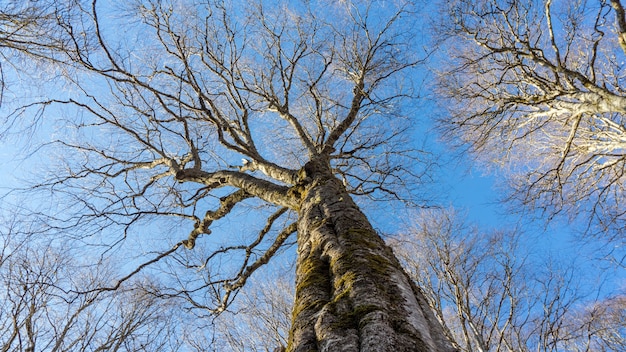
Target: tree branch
{"x":257,"y":187}
{"x":226,"y":205}
{"x":245,"y":274}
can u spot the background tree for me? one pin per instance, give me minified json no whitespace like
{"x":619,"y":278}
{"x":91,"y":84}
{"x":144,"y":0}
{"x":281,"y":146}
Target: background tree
{"x":537,"y":86}
{"x":41,"y":309}
{"x":202,"y":111}
{"x":491,"y":295}
{"x":607,"y":321}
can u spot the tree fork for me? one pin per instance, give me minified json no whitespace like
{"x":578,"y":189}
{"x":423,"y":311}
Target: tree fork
{"x":351,"y":292}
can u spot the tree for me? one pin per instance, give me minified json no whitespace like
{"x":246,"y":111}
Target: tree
{"x":607,"y":321}
{"x":537,"y":86}
{"x":491,"y":296}
{"x":156,"y":120}
{"x":41,"y":309}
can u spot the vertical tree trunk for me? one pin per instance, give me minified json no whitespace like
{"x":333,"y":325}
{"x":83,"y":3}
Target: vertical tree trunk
{"x":351,"y":292}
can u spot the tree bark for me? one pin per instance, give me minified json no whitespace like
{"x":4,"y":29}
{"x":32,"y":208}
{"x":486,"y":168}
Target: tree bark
{"x":351,"y":292}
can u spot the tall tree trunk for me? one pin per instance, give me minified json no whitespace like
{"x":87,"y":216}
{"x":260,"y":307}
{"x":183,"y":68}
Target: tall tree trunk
{"x":351,"y":292}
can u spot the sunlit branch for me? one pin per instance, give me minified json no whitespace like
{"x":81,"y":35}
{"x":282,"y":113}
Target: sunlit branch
{"x":271,"y":170}
{"x":260,"y":188}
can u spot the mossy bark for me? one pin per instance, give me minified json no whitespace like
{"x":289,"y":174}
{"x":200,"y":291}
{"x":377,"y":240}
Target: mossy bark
{"x":351,"y":292}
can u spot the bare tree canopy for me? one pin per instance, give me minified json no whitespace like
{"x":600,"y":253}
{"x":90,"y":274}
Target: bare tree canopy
{"x":203,"y":111}
{"x":538,"y":86}
{"x":40,"y":309}
{"x":491,"y":295}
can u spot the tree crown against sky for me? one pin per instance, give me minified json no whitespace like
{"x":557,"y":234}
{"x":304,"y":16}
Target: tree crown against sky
{"x":536,"y":87}
{"x":193,"y":110}
{"x":242,"y":96}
